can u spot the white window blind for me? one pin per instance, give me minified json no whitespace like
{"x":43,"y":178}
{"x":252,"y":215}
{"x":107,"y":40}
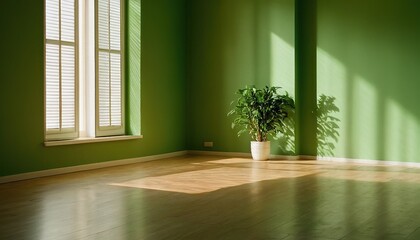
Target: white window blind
{"x":61,"y":69}
{"x":100,"y":81}
{"x":109,"y":76}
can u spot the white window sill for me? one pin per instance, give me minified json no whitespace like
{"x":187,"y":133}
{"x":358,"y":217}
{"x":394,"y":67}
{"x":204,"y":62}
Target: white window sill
{"x":91,"y":140}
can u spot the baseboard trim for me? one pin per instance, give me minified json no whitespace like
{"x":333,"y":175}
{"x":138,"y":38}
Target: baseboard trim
{"x":369,"y":161}
{"x":85,"y":167}
{"x":248,"y":155}
{"x":308,"y":157}
{"x":222,"y":154}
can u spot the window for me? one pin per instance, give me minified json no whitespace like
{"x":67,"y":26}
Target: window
{"x":84,"y":81}
{"x":108,"y":68}
{"x":61,"y":69}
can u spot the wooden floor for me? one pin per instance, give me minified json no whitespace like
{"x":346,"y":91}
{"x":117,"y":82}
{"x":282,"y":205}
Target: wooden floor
{"x":216,"y":198}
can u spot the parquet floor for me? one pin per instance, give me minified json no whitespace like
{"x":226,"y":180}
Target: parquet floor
{"x":201,"y":197}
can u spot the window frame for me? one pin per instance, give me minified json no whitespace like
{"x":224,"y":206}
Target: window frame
{"x":102,"y":131}
{"x":74,"y":133}
{"x":62,"y":133}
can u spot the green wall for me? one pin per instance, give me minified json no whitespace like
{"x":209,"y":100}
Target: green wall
{"x":232,"y":44}
{"x":305,"y":81}
{"x":356,"y":78}
{"x":163,"y":90}
{"x":368,"y":59}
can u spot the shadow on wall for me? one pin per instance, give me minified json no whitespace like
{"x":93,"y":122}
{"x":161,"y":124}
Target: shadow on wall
{"x":327,"y":125}
{"x":286,"y":139}
{"x":327,"y":129}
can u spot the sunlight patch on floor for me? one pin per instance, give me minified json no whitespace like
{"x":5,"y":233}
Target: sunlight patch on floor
{"x":208,"y":180}
{"x":231,"y":172}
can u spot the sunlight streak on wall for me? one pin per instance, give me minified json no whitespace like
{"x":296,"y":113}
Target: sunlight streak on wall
{"x":331,"y":81}
{"x":365,"y":117}
{"x":402,"y":131}
{"x":412,"y":138}
{"x":394,"y":126}
{"x":282,"y":71}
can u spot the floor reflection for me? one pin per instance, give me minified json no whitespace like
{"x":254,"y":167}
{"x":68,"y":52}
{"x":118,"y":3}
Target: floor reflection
{"x":217,"y":198}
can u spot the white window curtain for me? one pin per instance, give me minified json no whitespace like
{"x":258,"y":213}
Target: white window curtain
{"x":109,"y":65}
{"x":61,"y":120}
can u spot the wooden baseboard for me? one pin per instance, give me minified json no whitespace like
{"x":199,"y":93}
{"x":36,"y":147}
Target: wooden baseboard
{"x":248,"y":155}
{"x":369,"y":161}
{"x":307,"y":157}
{"x":85,"y":167}
{"x":222,"y":154}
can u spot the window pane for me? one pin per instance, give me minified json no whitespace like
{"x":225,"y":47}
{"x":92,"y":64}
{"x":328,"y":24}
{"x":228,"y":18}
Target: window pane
{"x":68,"y":88}
{"x":115,"y":22}
{"x":115,"y":89}
{"x":51,"y":19}
{"x":103,"y":85}
{"x":52,"y":76}
{"x":103,"y":24}
{"x":67,"y":20}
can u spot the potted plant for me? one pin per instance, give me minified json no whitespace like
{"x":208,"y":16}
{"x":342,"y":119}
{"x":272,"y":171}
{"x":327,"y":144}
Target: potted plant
{"x":261,"y":113}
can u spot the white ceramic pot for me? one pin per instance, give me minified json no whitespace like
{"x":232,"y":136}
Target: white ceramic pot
{"x":260,"y":150}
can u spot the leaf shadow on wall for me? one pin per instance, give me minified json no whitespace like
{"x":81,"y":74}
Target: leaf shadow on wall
{"x":286,"y":139}
{"x":327,"y":125}
{"x":327,"y":128}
